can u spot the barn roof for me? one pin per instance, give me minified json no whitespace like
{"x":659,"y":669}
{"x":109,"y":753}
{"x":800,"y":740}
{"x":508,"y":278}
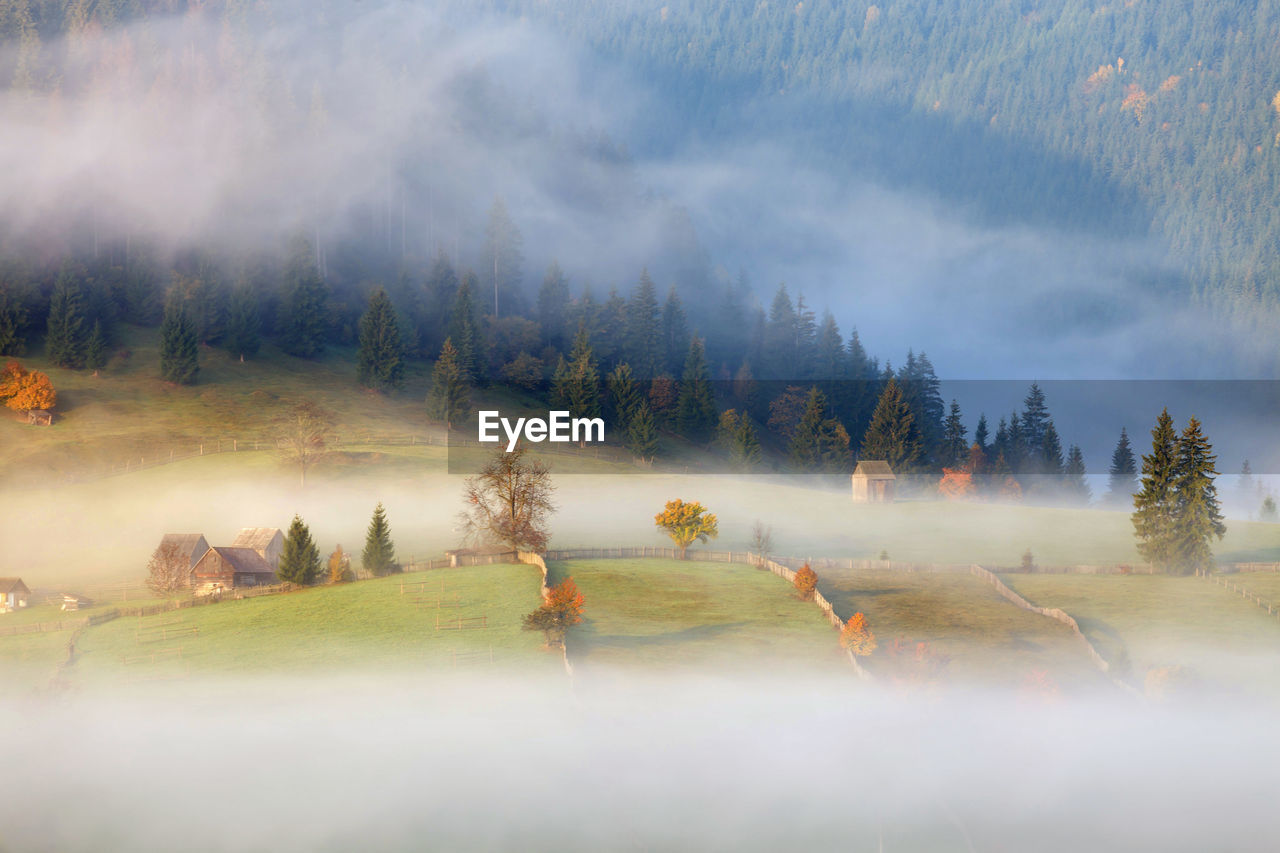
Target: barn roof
{"x":244,"y":560}
{"x":874,"y":470}
{"x":257,"y":538}
{"x":8,"y":585}
{"x":188,"y":543}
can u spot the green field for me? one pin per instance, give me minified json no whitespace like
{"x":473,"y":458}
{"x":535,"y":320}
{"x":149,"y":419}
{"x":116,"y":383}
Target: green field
{"x":1139,"y":622}
{"x":663,"y":614}
{"x":978,"y":637}
{"x":447,"y":619}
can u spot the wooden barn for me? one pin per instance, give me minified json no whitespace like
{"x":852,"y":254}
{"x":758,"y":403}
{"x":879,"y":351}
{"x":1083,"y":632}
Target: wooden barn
{"x":190,"y":545}
{"x":267,"y":541}
{"x":226,"y":568}
{"x":13,"y":594}
{"x":873,"y":483}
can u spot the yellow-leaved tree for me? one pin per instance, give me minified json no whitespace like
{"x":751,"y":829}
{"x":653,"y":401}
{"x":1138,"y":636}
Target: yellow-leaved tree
{"x":857,"y":636}
{"x":26,"y":390}
{"x":687,"y":523}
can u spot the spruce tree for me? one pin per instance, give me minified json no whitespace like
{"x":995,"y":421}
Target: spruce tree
{"x":503,"y":260}
{"x":675,"y":332}
{"x":464,"y":330}
{"x":642,"y":433}
{"x":1246,"y":487}
{"x":779,"y":345}
{"x":95,"y":351}
{"x":13,"y":321}
{"x":955,"y":449}
{"x":819,"y":442}
{"x":806,"y":340}
{"x":1035,"y":418}
{"x":299,"y":559}
{"x":179,"y":352}
{"x":1075,"y":487}
{"x":1154,"y":504}
{"x":553,"y":308}
{"x":243,"y":338}
{"x":67,"y":336}
{"x":746,"y":454}
{"x":892,"y":435}
{"x":379,"y":557}
{"x":380,"y":362}
{"x":303,"y":323}
{"x":830,"y":361}
{"x":1197,"y":515}
{"x":1051,"y":461}
{"x":1124,"y":473}
{"x":449,"y":399}
{"x":980,"y":434}
{"x":583,"y":387}
{"x":696,"y":409}
{"x":624,"y":396}
{"x":644,"y":350}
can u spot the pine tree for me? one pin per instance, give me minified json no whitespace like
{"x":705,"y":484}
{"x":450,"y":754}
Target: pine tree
{"x":819,"y":443}
{"x":1245,"y":485}
{"x":450,"y":396}
{"x":696,"y":409}
{"x":299,"y":559}
{"x":892,"y":434}
{"x":980,"y":434}
{"x":67,"y":336}
{"x":379,"y":557}
{"x":675,"y":332}
{"x":380,"y":363}
{"x":503,"y":259}
{"x":1197,"y":515}
{"x":806,"y":340}
{"x":553,"y":308}
{"x":642,"y":433}
{"x":95,"y":351}
{"x":746,"y":453}
{"x":1154,"y":504}
{"x":464,"y":330}
{"x":244,"y":323}
{"x":955,"y":449}
{"x":583,"y":379}
{"x":179,"y":352}
{"x":304,"y":317}
{"x":644,"y":351}
{"x":1035,"y":418}
{"x":13,"y":321}
{"x":830,"y":364}
{"x":1124,"y":473}
{"x":780,"y":351}
{"x":624,"y":396}
{"x":1051,"y":462}
{"x":1075,"y":487}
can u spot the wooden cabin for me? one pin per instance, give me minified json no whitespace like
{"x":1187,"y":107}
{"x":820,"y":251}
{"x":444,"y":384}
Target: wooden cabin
{"x":226,"y":568}
{"x":873,"y":483}
{"x":267,"y":541}
{"x":13,"y":594}
{"x":191,"y":546}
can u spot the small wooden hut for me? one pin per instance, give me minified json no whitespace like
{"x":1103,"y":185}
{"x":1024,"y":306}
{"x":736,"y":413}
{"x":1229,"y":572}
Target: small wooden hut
{"x":226,"y":568}
{"x":40,"y":417}
{"x":13,"y":594}
{"x":873,"y":482}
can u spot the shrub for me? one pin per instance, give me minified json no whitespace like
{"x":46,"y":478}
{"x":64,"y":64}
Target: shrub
{"x":806,"y":582}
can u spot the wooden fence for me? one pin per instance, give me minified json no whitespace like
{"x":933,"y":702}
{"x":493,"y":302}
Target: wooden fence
{"x":1244,"y":592}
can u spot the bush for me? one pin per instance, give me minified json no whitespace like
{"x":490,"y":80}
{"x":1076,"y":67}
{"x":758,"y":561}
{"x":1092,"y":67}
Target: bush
{"x":806,"y":582}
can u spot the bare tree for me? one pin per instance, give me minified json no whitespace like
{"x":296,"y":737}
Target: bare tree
{"x":303,"y":436}
{"x":509,"y":502}
{"x":169,"y":571}
{"x":762,"y":539}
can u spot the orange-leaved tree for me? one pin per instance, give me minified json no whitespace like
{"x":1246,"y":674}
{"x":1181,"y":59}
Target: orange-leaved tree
{"x":805,"y":582}
{"x":26,"y":390}
{"x":687,"y":523}
{"x":560,"y":612}
{"x":857,"y":636}
{"x":956,"y":484}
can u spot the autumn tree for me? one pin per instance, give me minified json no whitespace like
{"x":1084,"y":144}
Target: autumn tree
{"x":340,"y":567}
{"x":560,"y":612}
{"x":805,"y":582}
{"x":509,"y":502}
{"x":300,"y":559}
{"x":957,"y":485}
{"x":303,"y":434}
{"x":857,"y":637}
{"x":26,"y":390}
{"x":687,"y":523}
{"x":168,"y":571}
{"x":379,"y":557}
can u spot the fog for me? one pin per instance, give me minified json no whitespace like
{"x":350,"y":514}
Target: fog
{"x":387,"y":128}
{"x":680,"y":764}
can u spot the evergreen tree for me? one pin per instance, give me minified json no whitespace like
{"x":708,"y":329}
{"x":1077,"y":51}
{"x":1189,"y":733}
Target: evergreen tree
{"x":1075,"y":487}
{"x":1197,"y":515}
{"x":503,"y":259}
{"x":892,"y":434}
{"x":449,"y":399}
{"x":464,"y":330}
{"x":300,"y":559}
{"x":67,"y":336}
{"x":304,"y":317}
{"x":746,"y":453}
{"x":675,"y":332}
{"x":1246,"y":487}
{"x":1035,"y":418}
{"x":806,"y":341}
{"x":95,"y":352}
{"x":644,"y":351}
{"x":696,"y":409}
{"x":1154,"y":505}
{"x":830,"y":351}
{"x":819,"y":443}
{"x":380,"y":363}
{"x":642,"y":433}
{"x":244,"y":323}
{"x":1051,"y":462}
{"x":1267,"y":512}
{"x":179,"y":352}
{"x":441,"y":292}
{"x":1015,"y":451}
{"x":379,"y":557}
{"x":625,"y":396}
{"x":614,"y":337}
{"x":553,"y":308}
{"x":980,"y":434}
{"x":1124,"y":473}
{"x":780,"y":351}
{"x":922,"y":391}
{"x":955,"y":449}
{"x":583,"y":388}
{"x":13,"y":321}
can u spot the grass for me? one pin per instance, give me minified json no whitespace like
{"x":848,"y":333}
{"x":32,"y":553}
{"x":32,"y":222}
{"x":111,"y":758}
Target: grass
{"x":662,"y":614}
{"x":1139,"y":622}
{"x":332,"y":629}
{"x":982,"y":638}
{"x":28,"y":661}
